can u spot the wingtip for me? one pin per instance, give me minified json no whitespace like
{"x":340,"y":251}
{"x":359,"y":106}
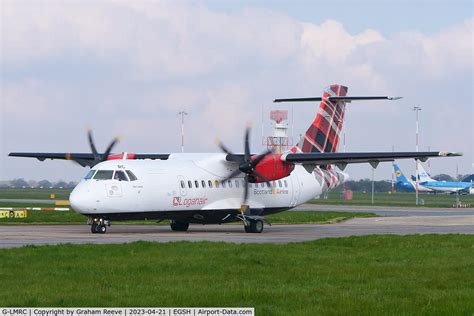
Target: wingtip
{"x":450,"y":154}
{"x":395,"y":98}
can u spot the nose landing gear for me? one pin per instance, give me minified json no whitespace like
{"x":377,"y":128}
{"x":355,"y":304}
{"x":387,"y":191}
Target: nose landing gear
{"x":99,"y":226}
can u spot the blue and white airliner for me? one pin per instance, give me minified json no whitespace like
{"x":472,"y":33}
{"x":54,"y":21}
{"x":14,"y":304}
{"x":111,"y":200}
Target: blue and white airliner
{"x":427,"y":184}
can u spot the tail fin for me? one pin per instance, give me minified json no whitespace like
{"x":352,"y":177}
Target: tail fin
{"x":399,"y":174}
{"x":423,"y":176}
{"x":323,"y":134}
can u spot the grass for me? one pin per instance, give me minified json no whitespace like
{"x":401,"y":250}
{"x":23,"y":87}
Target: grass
{"x":369,"y":275}
{"x":35,"y":194}
{"x":397,"y":199}
{"x":308,"y":217}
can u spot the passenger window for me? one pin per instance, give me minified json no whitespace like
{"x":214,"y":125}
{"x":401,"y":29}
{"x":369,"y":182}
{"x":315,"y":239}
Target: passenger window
{"x":90,"y":174}
{"x":262,"y":185}
{"x":209,"y":182}
{"x":104,"y":175}
{"x":131,"y":175}
{"x":236,"y":183}
{"x":230,"y":183}
{"x":269,"y":185}
{"x":279,"y":183}
{"x":182,"y":184}
{"x":223,"y":184}
{"x":216,"y":182}
{"x":286,"y":183}
{"x":190,"y":184}
{"x":196,"y":183}
{"x":120,"y":175}
{"x":203,"y":183}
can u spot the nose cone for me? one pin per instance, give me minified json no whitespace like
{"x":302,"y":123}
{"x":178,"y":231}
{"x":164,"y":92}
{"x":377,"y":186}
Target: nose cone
{"x":79,"y":199}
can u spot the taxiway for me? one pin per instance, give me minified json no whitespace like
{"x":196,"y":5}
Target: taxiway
{"x":21,"y":235}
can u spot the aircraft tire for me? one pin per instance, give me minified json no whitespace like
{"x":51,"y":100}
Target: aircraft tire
{"x":94,"y":228}
{"x":179,"y":226}
{"x":101,"y":229}
{"x":256,"y":226}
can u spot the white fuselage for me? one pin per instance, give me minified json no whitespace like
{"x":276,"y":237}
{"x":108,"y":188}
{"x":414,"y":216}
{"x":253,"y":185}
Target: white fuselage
{"x":189,"y":182}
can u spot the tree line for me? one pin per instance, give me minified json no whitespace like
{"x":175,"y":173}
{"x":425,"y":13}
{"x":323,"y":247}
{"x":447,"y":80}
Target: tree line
{"x":22,"y":183}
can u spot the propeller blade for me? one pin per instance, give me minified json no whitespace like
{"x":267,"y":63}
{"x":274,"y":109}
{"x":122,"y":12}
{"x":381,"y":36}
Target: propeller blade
{"x":246,"y":190}
{"x":261,"y":157}
{"x":109,"y":149}
{"x":261,"y":176}
{"x":224,"y":149}
{"x":247,"y":146}
{"x":232,"y":175}
{"x":92,"y":145}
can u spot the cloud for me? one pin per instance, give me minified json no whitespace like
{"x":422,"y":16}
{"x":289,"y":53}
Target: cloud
{"x":129,"y":67}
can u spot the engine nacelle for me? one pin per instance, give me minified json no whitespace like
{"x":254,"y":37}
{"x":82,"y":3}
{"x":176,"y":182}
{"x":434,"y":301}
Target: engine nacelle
{"x":273,"y":168}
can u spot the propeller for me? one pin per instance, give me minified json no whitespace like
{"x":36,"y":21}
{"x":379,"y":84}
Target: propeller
{"x":247,"y":165}
{"x":98,"y":158}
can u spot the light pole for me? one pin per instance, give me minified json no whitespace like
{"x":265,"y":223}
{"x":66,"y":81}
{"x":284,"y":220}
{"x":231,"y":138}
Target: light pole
{"x":182,"y":113}
{"x":417,"y":109}
{"x":373,"y":175}
{"x":393,"y":171}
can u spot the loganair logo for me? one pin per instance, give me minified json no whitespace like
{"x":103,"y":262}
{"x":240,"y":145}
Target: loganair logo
{"x":178,"y":201}
{"x":398,"y":173}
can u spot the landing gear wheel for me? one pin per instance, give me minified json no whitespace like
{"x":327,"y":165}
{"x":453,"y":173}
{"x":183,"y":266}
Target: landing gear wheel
{"x":255,"y":226}
{"x":179,"y":226}
{"x":99,"y":227}
{"x":94,"y":228}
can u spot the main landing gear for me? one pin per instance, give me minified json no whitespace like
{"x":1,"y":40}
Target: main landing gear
{"x":99,"y":226}
{"x":179,"y":226}
{"x":252,"y":224}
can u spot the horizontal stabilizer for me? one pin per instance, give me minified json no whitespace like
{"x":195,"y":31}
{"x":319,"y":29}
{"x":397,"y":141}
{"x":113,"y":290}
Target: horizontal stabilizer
{"x":337,"y":98}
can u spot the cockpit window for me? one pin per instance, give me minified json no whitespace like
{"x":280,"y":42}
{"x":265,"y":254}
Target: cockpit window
{"x":90,"y":174}
{"x":120,"y":175}
{"x":131,"y":175}
{"x":104,"y":175}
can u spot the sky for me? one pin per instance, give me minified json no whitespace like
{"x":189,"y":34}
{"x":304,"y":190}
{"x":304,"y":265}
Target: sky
{"x":128,"y":67}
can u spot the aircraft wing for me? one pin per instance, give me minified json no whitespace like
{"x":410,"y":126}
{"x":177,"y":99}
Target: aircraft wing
{"x":337,"y":98}
{"x":343,"y":159}
{"x":84,"y":159}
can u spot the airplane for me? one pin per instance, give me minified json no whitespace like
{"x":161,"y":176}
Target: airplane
{"x":405,"y":184}
{"x":470,"y":179}
{"x":216,"y":188}
{"x":442,"y":186}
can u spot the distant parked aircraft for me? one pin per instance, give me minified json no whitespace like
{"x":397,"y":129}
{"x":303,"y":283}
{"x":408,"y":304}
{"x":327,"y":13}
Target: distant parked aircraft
{"x":406,"y":184}
{"x":442,"y":186}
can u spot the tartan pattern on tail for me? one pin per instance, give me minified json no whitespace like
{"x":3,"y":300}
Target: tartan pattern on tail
{"x":324,"y":133}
